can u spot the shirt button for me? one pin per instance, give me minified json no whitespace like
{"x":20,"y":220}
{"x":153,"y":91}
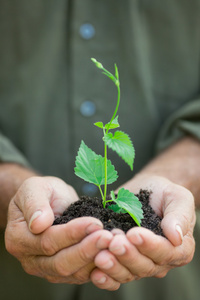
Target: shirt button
{"x":89,"y":189}
{"x":88,"y":108}
{"x":87,"y":31}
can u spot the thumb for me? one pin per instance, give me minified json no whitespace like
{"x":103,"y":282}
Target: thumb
{"x":33,"y":201}
{"x":173,"y":229}
{"x":41,"y":219}
{"x":179,"y":214}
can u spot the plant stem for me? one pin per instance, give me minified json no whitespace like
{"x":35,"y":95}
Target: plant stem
{"x":115,"y":79}
{"x":105,"y":146}
{"x":106,"y":173}
{"x":117,"y":106}
{"x":102,"y":196}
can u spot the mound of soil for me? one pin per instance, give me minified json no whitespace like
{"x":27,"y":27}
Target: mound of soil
{"x":93,"y":207}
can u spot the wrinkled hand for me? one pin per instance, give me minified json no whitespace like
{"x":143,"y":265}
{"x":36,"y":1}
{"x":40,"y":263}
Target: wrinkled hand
{"x":140,"y":253}
{"x":61,"y":253}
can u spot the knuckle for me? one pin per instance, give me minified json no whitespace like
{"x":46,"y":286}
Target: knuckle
{"x":72,"y":234}
{"x":161,"y":274}
{"x":61,"y":269}
{"x":189,"y":259}
{"x":13,"y":245}
{"x":81,"y":277}
{"x":10,"y":247}
{"x":185,"y":259}
{"x":29,"y":268}
{"x":128,"y":278}
{"x":85,"y":255}
{"x":47,"y":246}
{"x":167,"y":259}
{"x":148,"y":273}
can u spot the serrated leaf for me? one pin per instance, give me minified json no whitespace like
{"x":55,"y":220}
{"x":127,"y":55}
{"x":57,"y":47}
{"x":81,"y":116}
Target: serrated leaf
{"x":130,"y":203}
{"x":113,"y":125}
{"x":121,"y":143}
{"x":90,"y":167}
{"x":115,"y":207}
{"x":99,"y":124}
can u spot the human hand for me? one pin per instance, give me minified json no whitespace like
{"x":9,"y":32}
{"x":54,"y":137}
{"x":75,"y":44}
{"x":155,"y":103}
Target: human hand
{"x":140,"y":253}
{"x":61,"y":253}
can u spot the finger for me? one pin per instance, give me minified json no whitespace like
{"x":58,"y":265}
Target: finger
{"x":63,"y":236}
{"x":82,"y":276}
{"x":103,"y":281}
{"x":21,"y":242}
{"x":116,"y":231}
{"x":179,"y":213}
{"x":155,"y":247}
{"x":159,"y":249}
{"x":131,"y":258}
{"x":70,"y":260}
{"x":106,"y":262}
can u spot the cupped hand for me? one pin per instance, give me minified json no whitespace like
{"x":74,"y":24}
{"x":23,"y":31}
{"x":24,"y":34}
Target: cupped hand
{"x":140,"y":253}
{"x":61,"y":253}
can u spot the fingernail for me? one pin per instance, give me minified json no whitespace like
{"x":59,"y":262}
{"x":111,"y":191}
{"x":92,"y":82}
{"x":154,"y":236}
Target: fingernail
{"x":120,"y":250}
{"x":108,"y":265}
{"x":136,"y":239}
{"x":34,"y":216}
{"x":117,"y":231}
{"x":179,"y":230}
{"x":103,"y":242}
{"x":102,"y":280}
{"x":93,"y":227}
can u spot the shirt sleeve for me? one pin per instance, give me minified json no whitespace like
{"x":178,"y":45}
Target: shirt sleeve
{"x":9,"y":153}
{"x":185,"y":121}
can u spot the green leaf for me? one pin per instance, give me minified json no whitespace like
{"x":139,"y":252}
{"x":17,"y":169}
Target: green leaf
{"x":114,"y":207}
{"x":121,"y":143}
{"x":116,"y":72}
{"x":90,"y":167}
{"x":111,"y":76}
{"x":117,"y":209}
{"x":130,"y":203}
{"x":114,"y":124}
{"x":99,"y":124}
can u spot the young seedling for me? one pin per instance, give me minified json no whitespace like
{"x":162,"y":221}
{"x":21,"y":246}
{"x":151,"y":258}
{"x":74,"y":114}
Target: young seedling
{"x":98,"y":170}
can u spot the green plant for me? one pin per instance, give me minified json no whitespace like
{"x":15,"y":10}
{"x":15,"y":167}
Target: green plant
{"x":98,"y":170}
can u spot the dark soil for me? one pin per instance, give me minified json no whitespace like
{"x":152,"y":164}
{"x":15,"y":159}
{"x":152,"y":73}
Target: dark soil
{"x":87,"y":206}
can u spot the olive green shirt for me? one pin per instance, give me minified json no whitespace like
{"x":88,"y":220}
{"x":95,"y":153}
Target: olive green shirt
{"x":51,"y":94}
